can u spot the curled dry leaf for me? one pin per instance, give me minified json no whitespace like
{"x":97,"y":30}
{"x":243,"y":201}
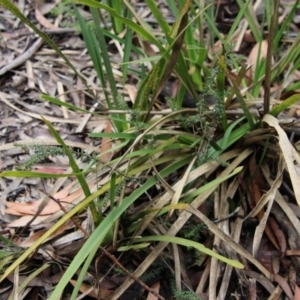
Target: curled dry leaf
{"x":258,"y":52}
{"x":31,"y":208}
{"x":154,"y":287}
{"x":106,"y":145}
{"x":132,"y":92}
{"x":278,"y":233}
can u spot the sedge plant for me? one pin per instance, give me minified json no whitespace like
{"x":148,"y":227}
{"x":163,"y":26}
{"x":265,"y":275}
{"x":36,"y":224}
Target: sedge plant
{"x":150,"y":141}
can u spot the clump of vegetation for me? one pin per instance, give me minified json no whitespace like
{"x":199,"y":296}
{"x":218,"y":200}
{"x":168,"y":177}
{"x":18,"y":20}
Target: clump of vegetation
{"x":160,"y":169}
{"x":38,"y":154}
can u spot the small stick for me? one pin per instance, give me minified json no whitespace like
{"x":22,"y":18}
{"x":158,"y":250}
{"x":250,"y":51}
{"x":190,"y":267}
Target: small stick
{"x":23,"y":57}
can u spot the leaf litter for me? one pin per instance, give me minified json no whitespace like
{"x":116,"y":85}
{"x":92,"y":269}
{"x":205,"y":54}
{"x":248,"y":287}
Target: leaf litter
{"x":270,"y":243}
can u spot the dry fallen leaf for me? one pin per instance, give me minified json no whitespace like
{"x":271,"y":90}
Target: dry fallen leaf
{"x":297,"y":292}
{"x":42,"y":20}
{"x":21,"y":222}
{"x":258,"y":52}
{"x":30,"y":208}
{"x":102,"y":294}
{"x":154,"y":287}
{"x":106,"y":144}
{"x":132,"y":92}
{"x":28,"y":242}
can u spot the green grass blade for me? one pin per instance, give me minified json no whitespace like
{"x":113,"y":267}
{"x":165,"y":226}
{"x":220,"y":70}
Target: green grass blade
{"x":93,"y":49}
{"x":72,"y":161}
{"x":7,"y":242}
{"x":100,"y":192}
{"x":220,"y":105}
{"x":101,"y":231}
{"x":291,"y":56}
{"x":152,"y":5}
{"x":173,"y":7}
{"x":259,"y":73}
{"x":114,"y":135}
{"x":83,"y":272}
{"x":95,"y":41}
{"x":188,"y":243}
{"x":120,"y":126}
{"x":112,"y":190}
{"x":65,"y":104}
{"x":237,"y":21}
{"x":254,"y":26}
{"x":149,"y":84}
{"x":104,"y":53}
{"x":32,"y":276}
{"x":144,"y":33}
{"x":284,"y":105}
{"x":293,"y":87}
{"x":127,"y":53}
{"x":93,"y":242}
{"x":209,"y":16}
{"x":94,"y":52}
{"x":212,"y":184}
{"x":285,"y":25}
{"x":243,"y":104}
{"x":30,"y":174}
{"x":230,"y":137}
{"x":117,"y":5}
{"x":55,"y":226}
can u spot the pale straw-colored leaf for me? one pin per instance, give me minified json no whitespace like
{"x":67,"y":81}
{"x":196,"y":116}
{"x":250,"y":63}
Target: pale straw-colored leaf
{"x":182,"y":184}
{"x":288,"y":153}
{"x":269,"y":198}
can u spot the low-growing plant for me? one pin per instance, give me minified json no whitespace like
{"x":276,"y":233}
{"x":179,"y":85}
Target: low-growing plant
{"x":148,"y":149}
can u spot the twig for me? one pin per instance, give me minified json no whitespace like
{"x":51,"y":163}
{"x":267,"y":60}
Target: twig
{"x":23,"y":57}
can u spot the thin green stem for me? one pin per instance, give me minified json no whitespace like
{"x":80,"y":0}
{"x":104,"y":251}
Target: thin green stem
{"x":267,"y":85}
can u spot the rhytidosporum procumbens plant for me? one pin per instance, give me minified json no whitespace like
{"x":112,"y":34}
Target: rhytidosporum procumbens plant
{"x":162,"y":165}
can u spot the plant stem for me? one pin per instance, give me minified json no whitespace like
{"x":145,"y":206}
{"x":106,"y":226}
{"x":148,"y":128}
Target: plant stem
{"x":267,"y":84}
